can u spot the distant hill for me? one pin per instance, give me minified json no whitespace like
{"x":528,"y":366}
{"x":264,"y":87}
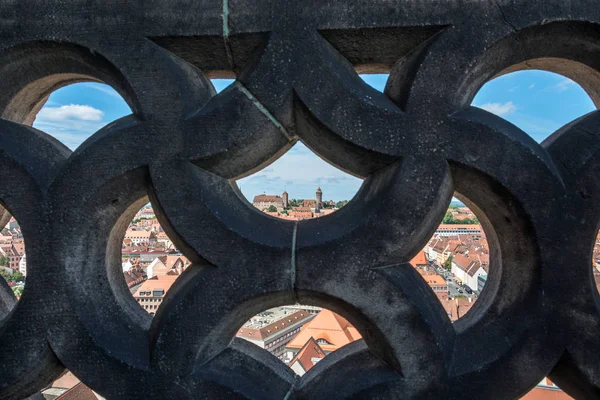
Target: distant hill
{"x":457,"y":203}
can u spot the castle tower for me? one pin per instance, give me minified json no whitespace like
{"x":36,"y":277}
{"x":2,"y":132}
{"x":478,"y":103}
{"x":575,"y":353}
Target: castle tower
{"x":319,"y":199}
{"x":285,"y":199}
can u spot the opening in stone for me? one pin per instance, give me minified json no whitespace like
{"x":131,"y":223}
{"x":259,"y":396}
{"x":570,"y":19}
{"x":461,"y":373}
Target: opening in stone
{"x":596,"y":262}
{"x":299,"y":185}
{"x":151,"y":263}
{"x":299,"y":335}
{"x":68,"y":386}
{"x":221,"y":84}
{"x":546,"y":389}
{"x":376,"y":81}
{"x":538,"y":102}
{"x":455,"y":261}
{"x":13,"y":260}
{"x":75,"y":112}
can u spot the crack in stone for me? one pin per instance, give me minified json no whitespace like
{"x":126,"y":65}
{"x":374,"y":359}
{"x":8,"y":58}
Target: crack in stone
{"x":226,"y":34}
{"x":289,"y":393}
{"x":293,"y":258}
{"x":264,"y":110}
{"x":514,"y":28}
{"x":516,"y":31}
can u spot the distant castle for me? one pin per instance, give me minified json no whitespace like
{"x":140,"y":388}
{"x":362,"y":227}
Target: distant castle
{"x":264,"y":201}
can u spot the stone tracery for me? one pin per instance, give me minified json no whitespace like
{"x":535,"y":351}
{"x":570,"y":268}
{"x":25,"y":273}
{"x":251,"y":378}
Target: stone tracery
{"x":414,"y":145}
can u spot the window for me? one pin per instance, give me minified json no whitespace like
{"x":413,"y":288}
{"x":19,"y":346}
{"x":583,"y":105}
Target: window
{"x":323,"y":341}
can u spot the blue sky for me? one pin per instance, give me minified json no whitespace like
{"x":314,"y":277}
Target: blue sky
{"x":537,"y":102}
{"x":73,"y":113}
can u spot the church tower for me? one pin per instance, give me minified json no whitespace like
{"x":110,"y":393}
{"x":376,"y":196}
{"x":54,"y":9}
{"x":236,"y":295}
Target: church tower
{"x":319,"y":199}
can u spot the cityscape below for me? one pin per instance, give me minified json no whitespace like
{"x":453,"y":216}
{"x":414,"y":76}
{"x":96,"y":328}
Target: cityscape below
{"x":454,"y":263}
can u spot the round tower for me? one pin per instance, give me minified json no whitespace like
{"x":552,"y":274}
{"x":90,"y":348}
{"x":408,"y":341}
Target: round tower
{"x":284,"y":197}
{"x":319,"y":199}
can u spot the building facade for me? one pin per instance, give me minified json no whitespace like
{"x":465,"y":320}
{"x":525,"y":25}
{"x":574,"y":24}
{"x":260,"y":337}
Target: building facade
{"x":152,"y":292}
{"x":264,"y":202}
{"x":23,"y":265}
{"x":274,"y":336}
{"x":458,"y":229}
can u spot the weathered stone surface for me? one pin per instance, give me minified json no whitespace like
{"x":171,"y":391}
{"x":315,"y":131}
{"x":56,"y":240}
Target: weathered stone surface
{"x":296,"y":65}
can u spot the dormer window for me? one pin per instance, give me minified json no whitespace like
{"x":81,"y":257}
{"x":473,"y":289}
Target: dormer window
{"x":323,"y":341}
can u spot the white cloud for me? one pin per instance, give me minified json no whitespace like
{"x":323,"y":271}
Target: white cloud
{"x":532,"y":86}
{"x":71,"y":132}
{"x":300,"y":172}
{"x":70,"y":112}
{"x":104,"y":89}
{"x":500,"y":109}
{"x":563,"y":85}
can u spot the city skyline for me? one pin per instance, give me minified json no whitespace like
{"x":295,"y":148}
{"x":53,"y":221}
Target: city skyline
{"x":538,"y":102}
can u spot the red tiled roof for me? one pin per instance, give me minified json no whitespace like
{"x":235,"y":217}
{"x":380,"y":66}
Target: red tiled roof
{"x":66,"y":381}
{"x":466,"y":264}
{"x":302,"y":214}
{"x":456,"y":308}
{"x":330,"y":327}
{"x":78,"y":392}
{"x":267,"y":198}
{"x":419,"y":259}
{"x":301,"y":209}
{"x":540,"y":393}
{"x":433,"y":279}
{"x":308,"y":354}
{"x":159,"y":282}
{"x":275,"y":327}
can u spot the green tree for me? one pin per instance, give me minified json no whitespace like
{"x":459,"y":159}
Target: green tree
{"x":18,"y":291}
{"x":341,"y":204}
{"x":6,"y":275}
{"x":448,"y":262}
{"x":448,"y":218}
{"x":18,"y":277}
{"x":12,"y":276}
{"x":135,"y":221}
{"x":3,"y":261}
{"x":272,"y":208}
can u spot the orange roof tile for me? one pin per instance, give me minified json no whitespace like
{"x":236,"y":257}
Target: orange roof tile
{"x":267,"y":198}
{"x":540,"y":393}
{"x":275,"y":327}
{"x":329,"y":327}
{"x":433,"y":279}
{"x":419,"y":259}
{"x":456,"y":308}
{"x":159,"y":282}
{"x":66,"y":381}
{"x":78,"y":392}
{"x":308,"y":354}
{"x":301,"y":214}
